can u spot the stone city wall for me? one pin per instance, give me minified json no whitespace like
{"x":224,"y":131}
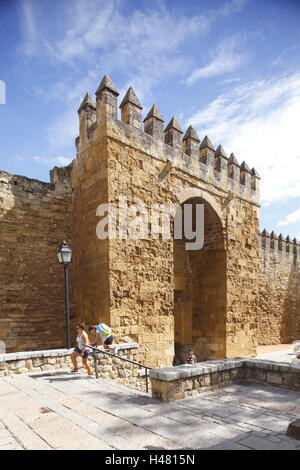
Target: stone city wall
{"x":108,"y":367}
{"x":177,"y":383}
{"x":279,"y":290}
{"x":35,"y":218}
{"x":229,"y":297}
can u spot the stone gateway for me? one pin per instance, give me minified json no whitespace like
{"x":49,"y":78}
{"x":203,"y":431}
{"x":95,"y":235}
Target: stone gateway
{"x":242,"y":288}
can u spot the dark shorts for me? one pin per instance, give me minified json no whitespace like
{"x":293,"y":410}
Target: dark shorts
{"x":86,"y":352}
{"x":109,"y":340}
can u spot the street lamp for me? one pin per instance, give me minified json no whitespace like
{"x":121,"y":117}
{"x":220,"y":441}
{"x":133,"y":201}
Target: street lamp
{"x":64,"y":256}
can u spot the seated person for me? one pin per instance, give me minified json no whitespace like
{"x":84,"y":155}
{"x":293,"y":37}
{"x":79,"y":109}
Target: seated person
{"x":190,"y":358}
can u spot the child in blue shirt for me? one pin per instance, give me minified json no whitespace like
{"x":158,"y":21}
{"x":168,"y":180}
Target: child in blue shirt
{"x":103,"y":333}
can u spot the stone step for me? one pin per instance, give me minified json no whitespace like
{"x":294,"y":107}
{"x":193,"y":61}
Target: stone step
{"x":87,"y":381}
{"x":99,"y":416}
{"x":92,"y":435}
{"x":102,"y":394}
{"x":129,"y":405}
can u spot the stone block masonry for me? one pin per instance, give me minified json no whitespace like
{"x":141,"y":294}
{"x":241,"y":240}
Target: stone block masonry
{"x":170,"y":384}
{"x":279,"y":291}
{"x":108,"y":367}
{"x":34,"y":219}
{"x":130,"y":283}
{"x":222,"y":300}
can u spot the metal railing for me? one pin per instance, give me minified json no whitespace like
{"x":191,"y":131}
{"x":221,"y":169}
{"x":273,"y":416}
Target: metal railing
{"x":103,"y":351}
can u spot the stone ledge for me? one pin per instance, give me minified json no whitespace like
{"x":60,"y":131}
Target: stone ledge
{"x":268,"y":365}
{"x":34,"y":354}
{"x":200,"y":368}
{"x":177,"y":383}
{"x":18,"y":356}
{"x":123,"y":346}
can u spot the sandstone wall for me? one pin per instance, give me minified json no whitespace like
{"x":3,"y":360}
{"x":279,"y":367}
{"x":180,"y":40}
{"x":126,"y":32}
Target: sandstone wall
{"x":130,"y":283}
{"x":90,"y":189}
{"x":279,"y":305}
{"x":34,"y":219}
{"x":142,"y":271}
{"x":242,"y":278}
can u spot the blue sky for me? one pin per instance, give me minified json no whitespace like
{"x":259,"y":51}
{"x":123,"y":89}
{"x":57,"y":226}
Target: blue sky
{"x":230,"y":68}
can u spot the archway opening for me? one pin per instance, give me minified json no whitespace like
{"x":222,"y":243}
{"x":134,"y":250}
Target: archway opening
{"x":200,"y":290}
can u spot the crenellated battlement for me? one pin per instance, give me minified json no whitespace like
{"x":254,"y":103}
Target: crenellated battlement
{"x":60,"y":182}
{"x":185,"y":151}
{"x":279,"y":244}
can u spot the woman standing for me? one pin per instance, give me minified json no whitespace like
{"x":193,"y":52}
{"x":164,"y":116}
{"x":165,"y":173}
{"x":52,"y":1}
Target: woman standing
{"x":81,"y":350}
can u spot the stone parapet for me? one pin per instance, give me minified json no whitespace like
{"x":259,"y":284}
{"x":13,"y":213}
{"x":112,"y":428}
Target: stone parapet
{"x":285,"y":246}
{"x":22,"y":183}
{"x":186,"y":153}
{"x":60,"y":179}
{"x":176,"y":383}
{"x":19,"y":356}
{"x":108,"y":367}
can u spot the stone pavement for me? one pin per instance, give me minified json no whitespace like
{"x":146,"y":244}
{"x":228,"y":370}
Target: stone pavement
{"x":60,"y":410}
{"x":7,"y":440}
{"x":278,"y":355}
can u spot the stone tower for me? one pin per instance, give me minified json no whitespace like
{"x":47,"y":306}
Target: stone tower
{"x":154,"y":291}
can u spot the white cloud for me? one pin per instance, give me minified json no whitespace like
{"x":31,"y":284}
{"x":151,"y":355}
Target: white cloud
{"x":143,"y":44}
{"x":290,"y":218}
{"x":97,"y":38}
{"x":98,"y":28}
{"x":231,"y":80}
{"x":227,"y":9}
{"x":258,"y":121}
{"x":2,"y":92}
{"x":228,"y":59}
{"x":50,"y":162}
{"x":233,"y":6}
{"x":28,"y":24}
{"x":63,"y":130}
{"x":90,"y":39}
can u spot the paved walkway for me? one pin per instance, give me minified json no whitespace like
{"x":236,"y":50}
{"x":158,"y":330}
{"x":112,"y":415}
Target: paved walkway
{"x":60,"y":410}
{"x":268,"y":348}
{"x":278,"y":353}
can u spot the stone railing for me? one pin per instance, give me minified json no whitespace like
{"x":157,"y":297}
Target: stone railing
{"x":176,"y":383}
{"x":108,"y":367}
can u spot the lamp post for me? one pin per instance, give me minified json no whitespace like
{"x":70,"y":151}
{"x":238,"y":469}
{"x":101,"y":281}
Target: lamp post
{"x":64,"y":256}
